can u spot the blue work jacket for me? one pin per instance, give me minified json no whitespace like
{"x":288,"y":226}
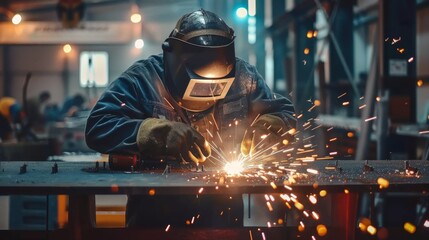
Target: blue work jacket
{"x":140,"y":93}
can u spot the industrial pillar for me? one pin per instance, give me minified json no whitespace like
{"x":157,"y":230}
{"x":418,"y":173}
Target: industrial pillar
{"x":398,"y":69}
{"x":342,"y":30}
{"x":259,"y":47}
{"x":279,"y":48}
{"x":305,"y":48}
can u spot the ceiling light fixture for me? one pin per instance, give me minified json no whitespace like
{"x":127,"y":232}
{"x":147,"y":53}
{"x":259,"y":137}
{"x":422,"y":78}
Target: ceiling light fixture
{"x":135,"y":17}
{"x":67,"y":48}
{"x":16,"y":19}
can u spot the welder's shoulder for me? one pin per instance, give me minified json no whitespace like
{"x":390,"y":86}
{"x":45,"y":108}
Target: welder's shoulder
{"x":144,"y":69}
{"x":242,"y":65}
{"x":151,"y":64}
{"x":239,"y":62}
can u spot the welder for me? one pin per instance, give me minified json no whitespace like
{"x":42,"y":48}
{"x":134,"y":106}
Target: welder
{"x":175,"y":105}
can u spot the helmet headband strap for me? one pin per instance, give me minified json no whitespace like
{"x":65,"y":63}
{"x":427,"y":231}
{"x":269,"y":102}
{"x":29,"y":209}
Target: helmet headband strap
{"x":202,"y":32}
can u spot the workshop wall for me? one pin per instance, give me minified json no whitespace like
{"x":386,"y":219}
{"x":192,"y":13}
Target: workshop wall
{"x":422,"y":58}
{"x":422,"y":39}
{"x":57,"y":72}
{"x":44,"y":64}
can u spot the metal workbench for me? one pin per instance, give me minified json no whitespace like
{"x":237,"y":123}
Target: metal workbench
{"x":82,"y":181}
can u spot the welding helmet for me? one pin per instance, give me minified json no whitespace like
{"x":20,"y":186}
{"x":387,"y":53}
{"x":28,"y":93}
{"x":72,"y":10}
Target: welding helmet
{"x":199,"y":60}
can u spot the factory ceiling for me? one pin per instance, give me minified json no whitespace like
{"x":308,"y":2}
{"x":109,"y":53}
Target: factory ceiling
{"x":105,"y":10}
{"x":158,"y":17}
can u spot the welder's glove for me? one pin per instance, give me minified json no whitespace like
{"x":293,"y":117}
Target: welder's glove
{"x":164,"y":139}
{"x":266,"y":133}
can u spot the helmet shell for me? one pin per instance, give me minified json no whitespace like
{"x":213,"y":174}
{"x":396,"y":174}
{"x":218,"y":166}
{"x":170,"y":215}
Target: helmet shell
{"x":201,"y":46}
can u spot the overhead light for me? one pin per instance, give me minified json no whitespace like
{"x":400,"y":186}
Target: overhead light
{"x":16,"y":19}
{"x":241,"y":12}
{"x":139,"y":43}
{"x":67,"y":48}
{"x":136,"y":18}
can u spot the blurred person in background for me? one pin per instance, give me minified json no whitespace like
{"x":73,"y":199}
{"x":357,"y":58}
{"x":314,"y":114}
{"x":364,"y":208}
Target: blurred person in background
{"x":36,"y":111}
{"x":11,"y":116}
{"x":73,"y":105}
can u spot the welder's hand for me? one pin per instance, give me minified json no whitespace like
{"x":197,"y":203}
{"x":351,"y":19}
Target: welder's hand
{"x":266,"y":133}
{"x":160,"y":138}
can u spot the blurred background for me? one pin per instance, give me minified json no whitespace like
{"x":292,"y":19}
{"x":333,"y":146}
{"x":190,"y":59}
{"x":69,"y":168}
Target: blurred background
{"x":356,"y":70}
{"x":318,"y":53}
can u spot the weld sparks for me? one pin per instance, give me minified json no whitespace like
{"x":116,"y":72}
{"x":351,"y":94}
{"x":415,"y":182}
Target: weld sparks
{"x":234,"y":168}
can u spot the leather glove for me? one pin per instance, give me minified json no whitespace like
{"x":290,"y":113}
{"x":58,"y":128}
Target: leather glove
{"x":268,"y":131}
{"x":160,"y":138}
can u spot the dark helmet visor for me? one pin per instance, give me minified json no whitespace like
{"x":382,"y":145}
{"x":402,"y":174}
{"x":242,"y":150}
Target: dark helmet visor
{"x":209,"y":62}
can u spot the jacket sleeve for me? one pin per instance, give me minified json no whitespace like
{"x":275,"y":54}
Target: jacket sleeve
{"x":113,"y":123}
{"x":264,"y":101}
